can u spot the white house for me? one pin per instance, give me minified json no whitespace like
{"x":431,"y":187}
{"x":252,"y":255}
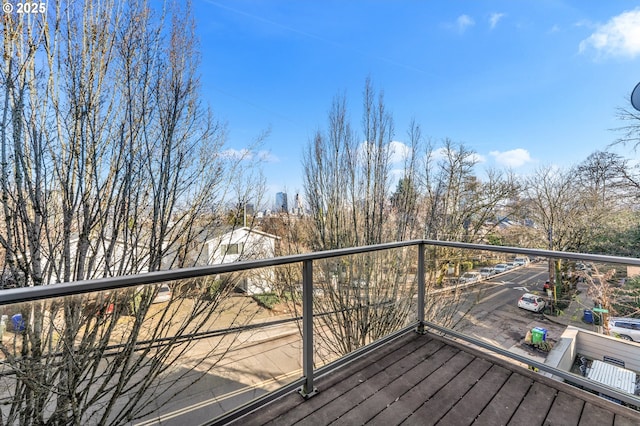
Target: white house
{"x":245,"y":244}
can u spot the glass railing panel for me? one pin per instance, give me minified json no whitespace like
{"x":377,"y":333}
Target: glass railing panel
{"x":561,"y":312}
{"x":159,"y":351}
{"x":455,"y":279}
{"x":177,"y":350}
{"x":361,"y":298}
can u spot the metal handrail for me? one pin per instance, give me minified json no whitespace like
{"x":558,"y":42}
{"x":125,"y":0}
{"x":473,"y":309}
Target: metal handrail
{"x":26,"y":294}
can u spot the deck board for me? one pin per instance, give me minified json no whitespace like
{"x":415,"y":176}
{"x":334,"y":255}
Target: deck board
{"x":435,"y":408}
{"x":333,"y":387}
{"x":534,"y":407}
{"x":396,"y":388}
{"x":593,"y":415}
{"x":423,"y":380}
{"x":565,"y":410}
{"x":471,"y":405}
{"x":624,"y":421}
{"x":411,"y":401}
{"x":505,"y":402}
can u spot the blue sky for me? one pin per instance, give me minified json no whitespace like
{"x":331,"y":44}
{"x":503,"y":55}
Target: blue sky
{"x":523,"y":83}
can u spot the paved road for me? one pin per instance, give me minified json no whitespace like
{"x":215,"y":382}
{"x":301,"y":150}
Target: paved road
{"x":496,"y":317}
{"x":507,"y":288}
{"x":244,"y":374}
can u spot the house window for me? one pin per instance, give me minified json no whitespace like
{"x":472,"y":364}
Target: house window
{"x":232,"y":248}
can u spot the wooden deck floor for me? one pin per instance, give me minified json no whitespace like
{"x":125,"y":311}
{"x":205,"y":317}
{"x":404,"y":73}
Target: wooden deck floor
{"x":423,"y":380}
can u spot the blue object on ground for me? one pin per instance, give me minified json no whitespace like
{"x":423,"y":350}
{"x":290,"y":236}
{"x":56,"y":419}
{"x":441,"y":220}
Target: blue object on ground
{"x":18,"y":324}
{"x":588,"y":316}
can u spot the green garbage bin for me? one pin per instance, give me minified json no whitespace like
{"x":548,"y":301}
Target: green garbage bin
{"x":538,"y":335}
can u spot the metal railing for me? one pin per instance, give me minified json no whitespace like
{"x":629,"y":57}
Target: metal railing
{"x":306,"y":383}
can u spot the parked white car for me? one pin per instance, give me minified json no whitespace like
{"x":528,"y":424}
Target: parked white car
{"x":500,"y":267}
{"x":163,"y":295}
{"x":469,"y":277}
{"x":521,"y":261}
{"x":625,"y":328}
{"x":531,"y":302}
{"x":486,"y":272}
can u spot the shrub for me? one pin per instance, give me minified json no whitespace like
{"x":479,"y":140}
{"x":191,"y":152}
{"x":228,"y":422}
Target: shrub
{"x":266,"y":300}
{"x":466,"y":266}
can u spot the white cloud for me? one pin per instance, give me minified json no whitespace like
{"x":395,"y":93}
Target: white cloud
{"x":463,"y":22}
{"x":398,"y":152}
{"x":238,"y":154}
{"x":395,"y":175}
{"x":442,"y":153}
{"x":618,"y":37}
{"x":267,"y":157}
{"x":554,"y":29}
{"x":437,"y":154}
{"x":477,"y":158}
{"x":494,"y":19}
{"x":513,"y":158}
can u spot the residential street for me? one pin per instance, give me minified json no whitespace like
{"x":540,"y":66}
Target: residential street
{"x":266,"y":361}
{"x":496,"y":317}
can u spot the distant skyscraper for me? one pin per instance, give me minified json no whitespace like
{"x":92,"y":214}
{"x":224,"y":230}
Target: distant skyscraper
{"x":281,"y":202}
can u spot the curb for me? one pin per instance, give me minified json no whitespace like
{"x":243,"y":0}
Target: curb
{"x":554,"y":320}
{"x":565,"y":323}
{"x":269,"y":333}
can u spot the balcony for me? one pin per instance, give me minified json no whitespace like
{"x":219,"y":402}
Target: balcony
{"x":386,"y":354}
{"x":426,"y":379}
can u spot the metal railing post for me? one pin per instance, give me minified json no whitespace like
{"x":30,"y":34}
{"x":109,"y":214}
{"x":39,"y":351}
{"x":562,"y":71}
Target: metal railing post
{"x":421,"y":288}
{"x":307,"y":390}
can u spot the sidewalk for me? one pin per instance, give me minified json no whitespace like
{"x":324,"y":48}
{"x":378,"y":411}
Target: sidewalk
{"x":268,"y":333}
{"x":574,"y":313}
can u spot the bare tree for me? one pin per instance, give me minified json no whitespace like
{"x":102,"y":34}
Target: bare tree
{"x":553,"y":207}
{"x":405,"y":201}
{"x":109,"y":166}
{"x":630,"y":136}
{"x":373,"y":181}
{"x":608,"y":193}
{"x":631,"y":129}
{"x":602,"y":176}
{"x":458,"y":206}
{"x":329,"y":181}
{"x":447,"y":182}
{"x":347,"y":186}
{"x":558,"y":209}
{"x":583,"y":208}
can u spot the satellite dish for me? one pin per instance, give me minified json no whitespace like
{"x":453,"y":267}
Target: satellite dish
{"x":635,"y":97}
